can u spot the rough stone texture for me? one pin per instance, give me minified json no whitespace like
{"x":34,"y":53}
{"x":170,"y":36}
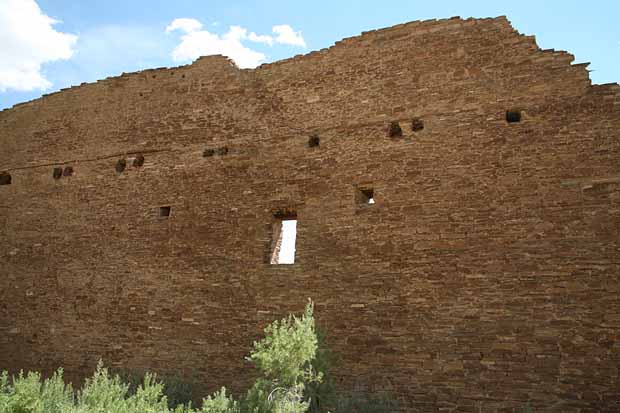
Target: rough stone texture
{"x":485,"y":275}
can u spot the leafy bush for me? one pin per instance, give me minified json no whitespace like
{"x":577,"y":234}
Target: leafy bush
{"x":27,"y":394}
{"x":321,"y":394}
{"x":177,"y":389}
{"x":293,"y":359}
{"x":284,"y":356}
{"x":101,"y":393}
{"x":220,"y":403}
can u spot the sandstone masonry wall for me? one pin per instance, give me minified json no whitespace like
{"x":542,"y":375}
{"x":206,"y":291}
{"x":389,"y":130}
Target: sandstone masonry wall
{"x":485,"y":275}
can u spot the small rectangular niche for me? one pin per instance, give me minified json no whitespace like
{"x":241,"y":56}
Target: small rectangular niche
{"x":314,"y":141}
{"x":365,"y":196}
{"x":283,"y":238}
{"x":5,"y":178}
{"x":394,"y":130}
{"x":164,"y":211}
{"x":513,"y":116}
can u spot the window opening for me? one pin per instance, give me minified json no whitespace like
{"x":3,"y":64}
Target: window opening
{"x":164,"y":211}
{"x":314,"y":141}
{"x":366,"y":196}
{"x":513,"y":116}
{"x":284,"y":237}
{"x":5,"y":178}
{"x":120,"y":165}
{"x":394,"y":130}
{"x":138,"y":161}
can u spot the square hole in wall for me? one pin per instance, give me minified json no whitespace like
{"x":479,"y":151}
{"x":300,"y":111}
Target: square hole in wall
{"x":417,"y":124}
{"x":394,"y":130}
{"x":164,"y":211}
{"x":365,"y":196}
{"x":513,"y":116}
{"x":57,"y":172}
{"x":138,"y":161}
{"x":5,"y":178}
{"x":283,"y":238}
{"x":314,"y":141}
{"x":120,"y":166}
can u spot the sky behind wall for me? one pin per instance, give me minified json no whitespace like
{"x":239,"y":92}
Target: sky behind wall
{"x":46,"y":45}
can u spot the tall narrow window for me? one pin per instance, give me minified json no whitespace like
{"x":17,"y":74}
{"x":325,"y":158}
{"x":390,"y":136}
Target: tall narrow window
{"x":284,"y":237}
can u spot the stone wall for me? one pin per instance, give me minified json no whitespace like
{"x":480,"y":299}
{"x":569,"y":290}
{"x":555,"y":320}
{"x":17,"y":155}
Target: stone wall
{"x":485,"y":275}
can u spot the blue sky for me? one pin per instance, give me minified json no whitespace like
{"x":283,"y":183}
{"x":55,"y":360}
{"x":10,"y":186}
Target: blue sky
{"x":95,"y":39}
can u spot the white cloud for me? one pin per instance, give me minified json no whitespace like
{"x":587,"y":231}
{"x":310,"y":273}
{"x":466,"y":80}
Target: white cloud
{"x":184,"y":24}
{"x":196,"y":42}
{"x":260,"y":38}
{"x":286,"y":35}
{"x":236,"y":33}
{"x":28,"y":40}
{"x":240,"y":33}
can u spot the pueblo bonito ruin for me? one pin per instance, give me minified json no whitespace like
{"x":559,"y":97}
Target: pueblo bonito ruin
{"x":457,"y":197}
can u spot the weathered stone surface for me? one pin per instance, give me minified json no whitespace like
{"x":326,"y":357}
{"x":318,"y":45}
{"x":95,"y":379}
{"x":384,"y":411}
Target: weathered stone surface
{"x":485,"y":274}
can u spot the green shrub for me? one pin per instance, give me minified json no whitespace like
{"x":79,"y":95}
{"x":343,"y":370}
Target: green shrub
{"x":106,"y":393}
{"x":220,"y":403}
{"x":177,"y":389}
{"x":284,"y":357}
{"x":27,"y":394}
{"x":294,"y":361}
{"x":321,"y":394}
